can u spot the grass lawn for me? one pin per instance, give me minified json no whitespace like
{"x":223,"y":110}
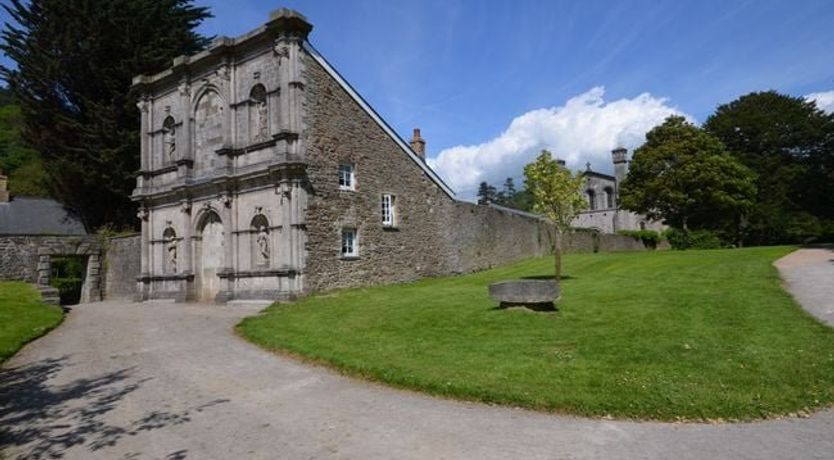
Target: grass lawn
{"x":659,"y":335}
{"x":23,"y":317}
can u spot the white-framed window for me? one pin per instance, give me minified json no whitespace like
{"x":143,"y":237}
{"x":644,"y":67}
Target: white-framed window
{"x":389,"y":209}
{"x":347,"y":179}
{"x":350,"y":243}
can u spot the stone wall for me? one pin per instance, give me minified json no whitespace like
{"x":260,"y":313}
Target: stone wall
{"x":19,"y":258}
{"x":340,"y":131}
{"x":28,"y":258}
{"x":482,"y":237}
{"x":122,"y":264}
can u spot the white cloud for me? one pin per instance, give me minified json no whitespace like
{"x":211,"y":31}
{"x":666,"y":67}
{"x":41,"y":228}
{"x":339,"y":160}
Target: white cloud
{"x":585,"y":129}
{"x":824,"y":100}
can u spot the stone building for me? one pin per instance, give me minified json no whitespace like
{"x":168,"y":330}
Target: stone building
{"x":264,"y":175}
{"x":602,"y":191}
{"x":35,"y":231}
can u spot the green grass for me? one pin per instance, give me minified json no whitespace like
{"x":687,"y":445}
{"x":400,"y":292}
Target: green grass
{"x":23,"y":317}
{"x":670,"y":335}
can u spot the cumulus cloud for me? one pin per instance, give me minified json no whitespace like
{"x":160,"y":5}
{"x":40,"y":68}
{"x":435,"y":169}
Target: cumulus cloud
{"x":585,"y":129}
{"x":824,"y":100}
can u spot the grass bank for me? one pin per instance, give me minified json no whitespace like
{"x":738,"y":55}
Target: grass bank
{"x":23,"y":317}
{"x":657,"y":335}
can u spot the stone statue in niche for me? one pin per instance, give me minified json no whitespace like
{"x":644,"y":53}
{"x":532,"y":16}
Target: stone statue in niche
{"x":259,"y":114}
{"x":263,"y":121}
{"x":262,"y":241}
{"x":171,"y":247}
{"x":169,"y":139}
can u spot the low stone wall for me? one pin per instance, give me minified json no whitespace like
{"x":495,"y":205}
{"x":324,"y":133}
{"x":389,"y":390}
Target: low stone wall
{"x":482,"y":237}
{"x":19,"y":258}
{"x":122,"y":264}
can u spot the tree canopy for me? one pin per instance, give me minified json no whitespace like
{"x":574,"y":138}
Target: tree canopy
{"x":75,"y":63}
{"x":557,"y":195}
{"x":18,"y":160}
{"x":686,"y":177}
{"x":789,"y":143}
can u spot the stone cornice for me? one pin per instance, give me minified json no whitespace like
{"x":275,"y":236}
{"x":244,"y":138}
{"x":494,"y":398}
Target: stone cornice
{"x":283,"y":25}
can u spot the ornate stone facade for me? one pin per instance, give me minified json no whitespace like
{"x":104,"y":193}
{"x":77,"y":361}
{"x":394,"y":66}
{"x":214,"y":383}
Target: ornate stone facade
{"x":223,"y":184}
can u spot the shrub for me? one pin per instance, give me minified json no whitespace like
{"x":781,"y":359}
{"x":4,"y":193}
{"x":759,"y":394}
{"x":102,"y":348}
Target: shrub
{"x":650,"y":238}
{"x":692,"y":239}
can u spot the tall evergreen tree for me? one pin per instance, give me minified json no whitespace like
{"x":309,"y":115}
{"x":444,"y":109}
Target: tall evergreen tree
{"x":75,"y":63}
{"x":509,"y":190}
{"x":486,"y":193}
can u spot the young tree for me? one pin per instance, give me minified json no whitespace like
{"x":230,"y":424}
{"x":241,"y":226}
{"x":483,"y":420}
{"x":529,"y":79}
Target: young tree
{"x":685,"y":177}
{"x":75,"y":63}
{"x":557,"y":195}
{"x":789,"y":143}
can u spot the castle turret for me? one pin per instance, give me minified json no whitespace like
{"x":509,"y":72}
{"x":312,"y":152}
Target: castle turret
{"x":620,"y":157}
{"x":418,"y":144}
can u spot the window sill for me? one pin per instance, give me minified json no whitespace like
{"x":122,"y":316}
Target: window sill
{"x":350,"y":257}
{"x":346,"y":189}
{"x":390,"y":228}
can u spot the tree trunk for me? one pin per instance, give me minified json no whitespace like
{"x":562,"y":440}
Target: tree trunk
{"x":557,"y":255}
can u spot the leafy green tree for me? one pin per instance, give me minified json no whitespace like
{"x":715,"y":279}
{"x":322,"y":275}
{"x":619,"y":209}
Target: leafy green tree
{"x":557,"y":195}
{"x":686,"y":178}
{"x":789,"y":143}
{"x":75,"y":63}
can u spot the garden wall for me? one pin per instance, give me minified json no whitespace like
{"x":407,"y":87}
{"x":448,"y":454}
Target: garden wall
{"x":122,"y":265}
{"x":19,"y":258}
{"x":480,"y":237}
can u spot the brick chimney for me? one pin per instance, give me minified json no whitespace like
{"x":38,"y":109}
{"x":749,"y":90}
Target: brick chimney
{"x":418,"y":144}
{"x":4,"y":194}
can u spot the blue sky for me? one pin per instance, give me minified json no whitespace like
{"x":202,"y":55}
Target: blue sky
{"x":489,"y":82}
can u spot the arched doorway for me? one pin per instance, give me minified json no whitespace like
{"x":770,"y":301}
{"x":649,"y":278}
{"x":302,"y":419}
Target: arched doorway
{"x":209,"y":256}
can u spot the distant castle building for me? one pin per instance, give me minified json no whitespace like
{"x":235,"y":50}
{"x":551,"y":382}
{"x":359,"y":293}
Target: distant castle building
{"x":602,"y":192}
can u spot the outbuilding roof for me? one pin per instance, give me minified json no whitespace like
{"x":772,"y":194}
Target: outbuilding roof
{"x":37,"y":216}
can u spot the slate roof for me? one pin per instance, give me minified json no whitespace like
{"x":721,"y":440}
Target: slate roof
{"x":37,"y":216}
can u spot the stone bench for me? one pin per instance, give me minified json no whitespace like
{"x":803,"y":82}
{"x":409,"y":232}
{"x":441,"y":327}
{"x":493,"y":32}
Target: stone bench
{"x":532,"y":293}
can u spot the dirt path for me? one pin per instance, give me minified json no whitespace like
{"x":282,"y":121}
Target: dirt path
{"x":165,"y":381}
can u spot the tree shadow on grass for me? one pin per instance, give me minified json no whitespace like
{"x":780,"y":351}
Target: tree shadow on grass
{"x":44,"y":419}
{"x":547,"y":277}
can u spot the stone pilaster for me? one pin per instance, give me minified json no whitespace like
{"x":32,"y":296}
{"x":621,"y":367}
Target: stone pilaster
{"x":185,"y":162}
{"x":187,"y":252}
{"x":91,"y":290}
{"x":143,"y":283}
{"x":44,"y":268}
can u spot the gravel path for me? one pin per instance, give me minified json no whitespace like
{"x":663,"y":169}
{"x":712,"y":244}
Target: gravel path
{"x":809,"y":276}
{"x":165,"y":381}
